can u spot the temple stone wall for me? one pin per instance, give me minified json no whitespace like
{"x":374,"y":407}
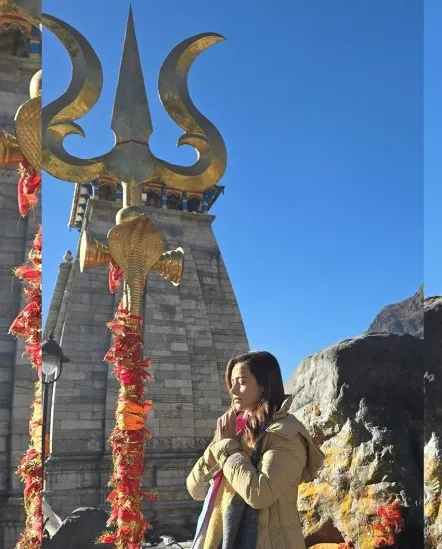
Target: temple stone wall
{"x":190,"y":332}
{"x":16,"y":378}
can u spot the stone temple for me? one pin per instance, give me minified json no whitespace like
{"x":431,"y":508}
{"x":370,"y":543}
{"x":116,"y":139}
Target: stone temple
{"x":20,"y":59}
{"x":190,"y":332}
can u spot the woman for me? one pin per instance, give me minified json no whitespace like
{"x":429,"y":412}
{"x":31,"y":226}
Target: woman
{"x":258,"y":457}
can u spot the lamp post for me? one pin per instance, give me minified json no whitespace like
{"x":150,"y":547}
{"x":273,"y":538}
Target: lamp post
{"x":52,"y":364}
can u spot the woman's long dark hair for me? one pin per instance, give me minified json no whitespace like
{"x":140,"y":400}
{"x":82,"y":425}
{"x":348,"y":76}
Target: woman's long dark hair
{"x":267,"y":372}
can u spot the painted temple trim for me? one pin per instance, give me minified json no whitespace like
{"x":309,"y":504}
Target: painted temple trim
{"x":187,"y":202}
{"x":33,"y":34}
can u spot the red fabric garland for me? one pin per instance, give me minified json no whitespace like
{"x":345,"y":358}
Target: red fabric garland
{"x":126,"y":497}
{"x":27,"y":325}
{"x":115,"y":274}
{"x":28,"y":186}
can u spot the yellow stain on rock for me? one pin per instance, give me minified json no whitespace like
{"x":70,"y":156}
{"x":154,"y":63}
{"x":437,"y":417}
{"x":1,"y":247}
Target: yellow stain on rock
{"x":343,"y":492}
{"x":432,"y":489}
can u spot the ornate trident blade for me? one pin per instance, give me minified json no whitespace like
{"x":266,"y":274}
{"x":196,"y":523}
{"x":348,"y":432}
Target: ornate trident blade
{"x":131,"y":161}
{"x":81,"y":95}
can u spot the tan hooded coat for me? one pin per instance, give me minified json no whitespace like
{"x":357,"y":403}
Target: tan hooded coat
{"x":288,"y":457}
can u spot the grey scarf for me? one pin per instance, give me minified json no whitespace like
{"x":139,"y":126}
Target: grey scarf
{"x":240,"y":521}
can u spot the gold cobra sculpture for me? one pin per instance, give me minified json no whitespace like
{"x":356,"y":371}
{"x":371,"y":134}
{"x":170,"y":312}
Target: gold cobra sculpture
{"x":26,"y":144}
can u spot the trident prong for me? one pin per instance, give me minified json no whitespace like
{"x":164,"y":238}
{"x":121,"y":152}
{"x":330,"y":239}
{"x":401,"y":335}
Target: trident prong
{"x":134,"y":123}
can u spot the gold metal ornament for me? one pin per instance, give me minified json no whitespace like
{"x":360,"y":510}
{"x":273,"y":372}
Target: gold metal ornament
{"x":92,"y":253}
{"x":10,"y":154}
{"x":96,"y":254}
{"x":36,"y":85}
{"x":171,"y":266}
{"x":135,"y":246}
{"x":28,"y":130}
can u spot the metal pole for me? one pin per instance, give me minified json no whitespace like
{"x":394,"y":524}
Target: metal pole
{"x":43,"y":431}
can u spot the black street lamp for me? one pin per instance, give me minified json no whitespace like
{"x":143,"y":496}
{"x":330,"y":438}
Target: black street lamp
{"x":52,"y":364}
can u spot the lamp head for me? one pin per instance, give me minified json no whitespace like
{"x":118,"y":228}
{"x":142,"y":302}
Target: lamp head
{"x":52,"y":358}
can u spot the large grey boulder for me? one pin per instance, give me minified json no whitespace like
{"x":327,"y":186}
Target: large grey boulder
{"x":433,"y":367}
{"x":83,"y":526}
{"x":362,"y":400}
{"x":80,"y":529}
{"x":433,"y":423}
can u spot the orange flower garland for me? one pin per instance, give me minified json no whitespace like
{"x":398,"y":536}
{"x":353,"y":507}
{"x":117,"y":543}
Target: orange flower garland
{"x":27,"y":325}
{"x":127,"y":438}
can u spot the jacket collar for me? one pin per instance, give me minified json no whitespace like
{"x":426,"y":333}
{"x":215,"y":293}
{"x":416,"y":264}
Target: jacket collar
{"x":289,"y":428}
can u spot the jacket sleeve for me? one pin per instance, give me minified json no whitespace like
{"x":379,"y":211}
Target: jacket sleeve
{"x":197,"y":486}
{"x":280,"y":466}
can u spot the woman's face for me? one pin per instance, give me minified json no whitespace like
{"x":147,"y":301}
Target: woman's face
{"x":245,"y":391}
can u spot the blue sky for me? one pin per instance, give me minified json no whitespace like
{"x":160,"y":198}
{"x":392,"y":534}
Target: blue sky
{"x":433,"y":148}
{"x":321,"y":108}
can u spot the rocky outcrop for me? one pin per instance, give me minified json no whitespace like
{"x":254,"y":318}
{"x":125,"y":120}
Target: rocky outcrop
{"x":404,"y":317}
{"x":83,"y":526}
{"x":80,"y":530}
{"x":433,"y":423}
{"x":362,"y":400}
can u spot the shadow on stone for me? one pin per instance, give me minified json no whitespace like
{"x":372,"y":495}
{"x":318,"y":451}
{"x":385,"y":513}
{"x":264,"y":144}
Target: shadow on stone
{"x":328,"y":533}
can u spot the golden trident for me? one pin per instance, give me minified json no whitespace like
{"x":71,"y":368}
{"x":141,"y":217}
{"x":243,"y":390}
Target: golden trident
{"x":134,"y":244}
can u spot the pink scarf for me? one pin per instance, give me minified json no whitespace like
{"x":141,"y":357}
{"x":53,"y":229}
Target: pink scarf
{"x":241,"y":421}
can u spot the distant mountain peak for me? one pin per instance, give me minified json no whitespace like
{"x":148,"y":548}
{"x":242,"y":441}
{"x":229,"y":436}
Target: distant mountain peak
{"x":403,"y":317}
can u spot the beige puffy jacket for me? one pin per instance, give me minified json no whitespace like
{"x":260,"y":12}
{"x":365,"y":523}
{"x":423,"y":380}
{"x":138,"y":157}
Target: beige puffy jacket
{"x":288,"y":457}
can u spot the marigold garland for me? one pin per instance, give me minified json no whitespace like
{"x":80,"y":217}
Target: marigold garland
{"x":128,"y":437}
{"x":27,"y":325}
